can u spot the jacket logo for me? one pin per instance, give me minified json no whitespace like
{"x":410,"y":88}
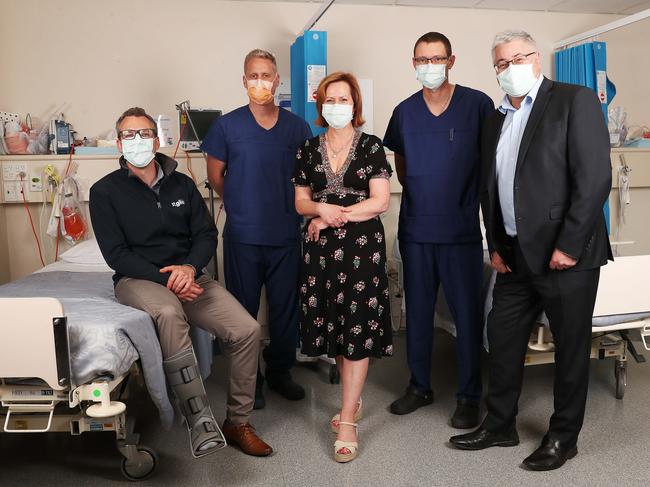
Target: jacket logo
{"x":178,"y":203}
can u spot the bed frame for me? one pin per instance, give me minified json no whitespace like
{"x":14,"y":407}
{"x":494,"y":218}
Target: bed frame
{"x":38,"y":394}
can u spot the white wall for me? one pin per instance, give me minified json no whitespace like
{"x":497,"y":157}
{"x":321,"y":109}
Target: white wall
{"x":628,"y":66}
{"x":100,"y":58}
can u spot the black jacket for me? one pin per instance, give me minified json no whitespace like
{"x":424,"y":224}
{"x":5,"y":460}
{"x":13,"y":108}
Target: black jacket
{"x":139,"y":232}
{"x":562,"y":180}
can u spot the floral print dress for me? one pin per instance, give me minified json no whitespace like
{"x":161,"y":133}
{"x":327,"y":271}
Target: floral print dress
{"x":344,"y":298}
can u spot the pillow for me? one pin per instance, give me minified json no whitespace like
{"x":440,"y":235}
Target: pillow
{"x":86,"y":252}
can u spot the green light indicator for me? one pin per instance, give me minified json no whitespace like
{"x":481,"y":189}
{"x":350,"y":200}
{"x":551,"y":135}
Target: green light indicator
{"x":97,"y":393}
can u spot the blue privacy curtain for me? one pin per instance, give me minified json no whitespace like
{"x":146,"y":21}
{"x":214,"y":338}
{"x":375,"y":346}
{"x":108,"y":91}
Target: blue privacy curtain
{"x":586,"y":65}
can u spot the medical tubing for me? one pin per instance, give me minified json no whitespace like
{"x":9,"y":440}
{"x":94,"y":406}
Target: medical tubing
{"x":58,"y":227}
{"x":41,"y":215}
{"x":58,"y":237}
{"x":41,"y":218}
{"x":180,"y":136}
{"x":29,"y":214}
{"x":67,"y":168}
{"x":49,"y":196}
{"x":216,"y":220}
{"x":188,"y":163}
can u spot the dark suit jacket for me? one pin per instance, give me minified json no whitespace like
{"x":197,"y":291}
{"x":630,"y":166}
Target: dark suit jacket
{"x":562,"y":180}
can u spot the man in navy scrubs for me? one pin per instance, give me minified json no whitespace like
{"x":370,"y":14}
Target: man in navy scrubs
{"x":251,"y":156}
{"x":435,"y":135}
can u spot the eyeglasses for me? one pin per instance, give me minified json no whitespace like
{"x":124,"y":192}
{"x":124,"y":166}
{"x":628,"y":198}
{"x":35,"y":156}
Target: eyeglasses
{"x":265,"y":76}
{"x":434,"y":59}
{"x":144,"y":133}
{"x":518,"y":59}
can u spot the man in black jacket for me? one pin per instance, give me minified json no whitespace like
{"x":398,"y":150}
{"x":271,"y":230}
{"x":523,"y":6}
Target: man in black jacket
{"x":155,"y":231}
{"x":546,"y":175}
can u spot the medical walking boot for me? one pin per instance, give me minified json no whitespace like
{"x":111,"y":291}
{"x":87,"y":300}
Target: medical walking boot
{"x":183,"y":374}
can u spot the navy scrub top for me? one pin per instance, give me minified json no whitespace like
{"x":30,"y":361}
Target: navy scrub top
{"x":440,"y":200}
{"x":258,"y":193}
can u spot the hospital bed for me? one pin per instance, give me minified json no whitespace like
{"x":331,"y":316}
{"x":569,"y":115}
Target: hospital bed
{"x":622,"y":306}
{"x":68,"y":351}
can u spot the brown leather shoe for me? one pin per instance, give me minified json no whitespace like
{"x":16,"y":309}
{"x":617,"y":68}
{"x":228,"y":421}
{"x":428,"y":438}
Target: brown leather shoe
{"x":243,"y":435}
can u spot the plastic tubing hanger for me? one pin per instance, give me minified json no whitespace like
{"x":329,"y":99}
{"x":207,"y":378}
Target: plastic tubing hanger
{"x":623,"y":171}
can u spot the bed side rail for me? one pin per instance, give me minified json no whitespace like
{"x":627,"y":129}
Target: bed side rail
{"x":645,"y":334}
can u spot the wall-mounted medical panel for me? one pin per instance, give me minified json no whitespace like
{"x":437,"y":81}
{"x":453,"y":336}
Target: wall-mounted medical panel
{"x":308,"y":68}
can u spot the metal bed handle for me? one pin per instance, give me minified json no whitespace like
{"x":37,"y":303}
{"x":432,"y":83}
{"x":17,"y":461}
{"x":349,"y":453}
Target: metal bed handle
{"x":49,"y":406}
{"x":645,"y":333}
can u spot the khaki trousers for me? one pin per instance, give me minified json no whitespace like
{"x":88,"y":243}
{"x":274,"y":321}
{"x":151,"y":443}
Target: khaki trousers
{"x":216,"y":311}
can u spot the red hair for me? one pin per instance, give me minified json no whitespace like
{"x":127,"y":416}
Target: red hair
{"x":349,"y":78}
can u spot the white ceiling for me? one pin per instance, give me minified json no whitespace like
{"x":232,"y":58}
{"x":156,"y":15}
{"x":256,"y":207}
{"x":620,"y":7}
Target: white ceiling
{"x":621,"y":7}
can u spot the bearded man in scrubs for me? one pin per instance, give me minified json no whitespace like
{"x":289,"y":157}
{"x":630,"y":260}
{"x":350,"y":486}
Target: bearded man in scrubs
{"x":251,"y":156}
{"x":435,"y":135}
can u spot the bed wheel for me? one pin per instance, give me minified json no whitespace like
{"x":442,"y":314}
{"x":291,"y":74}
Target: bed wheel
{"x":335,"y":378}
{"x":141,"y":466}
{"x":620,"y":372}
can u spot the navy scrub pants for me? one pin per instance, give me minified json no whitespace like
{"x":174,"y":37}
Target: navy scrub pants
{"x":459,"y":268}
{"x":246,"y":269}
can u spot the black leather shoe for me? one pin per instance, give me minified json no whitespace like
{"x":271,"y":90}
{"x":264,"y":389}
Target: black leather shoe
{"x":482,"y":438}
{"x":412,"y":400}
{"x":550,"y":455}
{"x":283,"y":384}
{"x":260,"y":402}
{"x":466,"y":414}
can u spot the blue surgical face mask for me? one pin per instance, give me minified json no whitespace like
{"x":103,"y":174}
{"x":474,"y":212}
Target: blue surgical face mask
{"x":517,"y":80}
{"x":138,"y":151}
{"x":337,"y":115}
{"x":431,"y":76}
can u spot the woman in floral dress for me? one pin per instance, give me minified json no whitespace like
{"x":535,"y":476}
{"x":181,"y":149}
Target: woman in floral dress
{"x":342,"y":186}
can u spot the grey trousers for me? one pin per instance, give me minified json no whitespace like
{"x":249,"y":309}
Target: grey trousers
{"x":216,"y":311}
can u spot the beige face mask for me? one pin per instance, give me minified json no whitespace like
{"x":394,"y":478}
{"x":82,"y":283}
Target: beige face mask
{"x":259,"y":91}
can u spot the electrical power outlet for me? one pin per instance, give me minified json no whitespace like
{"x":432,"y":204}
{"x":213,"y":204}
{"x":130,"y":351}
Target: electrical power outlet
{"x":7,"y":171}
{"x":20,"y":168}
{"x":9,"y":194}
{"x":13,"y":191}
{"x":35,"y":182}
{"x":20,"y":188}
{"x":11,"y":171}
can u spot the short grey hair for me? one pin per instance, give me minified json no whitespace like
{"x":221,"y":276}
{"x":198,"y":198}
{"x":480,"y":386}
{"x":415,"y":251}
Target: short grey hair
{"x":260,"y":54}
{"x":512,"y":35}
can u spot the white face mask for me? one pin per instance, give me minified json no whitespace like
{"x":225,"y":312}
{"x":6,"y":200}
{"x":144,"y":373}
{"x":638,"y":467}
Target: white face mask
{"x":337,"y":116}
{"x":517,"y":80}
{"x":138,"y":151}
{"x":431,"y":76}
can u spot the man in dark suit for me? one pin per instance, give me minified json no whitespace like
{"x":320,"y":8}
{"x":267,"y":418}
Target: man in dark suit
{"x":546,"y":174}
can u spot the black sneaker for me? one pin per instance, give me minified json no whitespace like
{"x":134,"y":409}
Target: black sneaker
{"x":466,"y":414}
{"x":260,"y":402}
{"x":283,"y":384}
{"x":412,"y":400}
